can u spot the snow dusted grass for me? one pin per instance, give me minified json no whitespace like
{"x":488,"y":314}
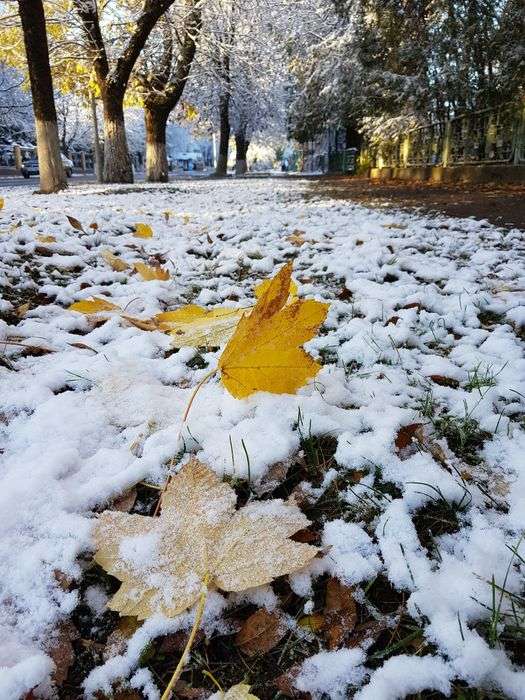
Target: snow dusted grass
{"x":406,"y":452}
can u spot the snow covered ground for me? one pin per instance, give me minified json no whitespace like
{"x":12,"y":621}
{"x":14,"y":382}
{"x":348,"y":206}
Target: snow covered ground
{"x":425,"y":330}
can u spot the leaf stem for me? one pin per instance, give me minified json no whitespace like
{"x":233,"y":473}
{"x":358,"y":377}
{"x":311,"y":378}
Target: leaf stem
{"x":166,"y":695}
{"x":194,"y":394}
{"x":186,"y":412}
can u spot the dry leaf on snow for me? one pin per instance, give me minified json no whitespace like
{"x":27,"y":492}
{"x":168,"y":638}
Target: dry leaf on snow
{"x":46,"y":239}
{"x":143,"y":231}
{"x":75,"y":223}
{"x":296,"y":237}
{"x":1,"y":203}
{"x":114,"y":261}
{"x":260,"y":632}
{"x":199,"y":539}
{"x":195,"y":326}
{"x":149,"y":272}
{"x":265,"y":352}
{"x":93,"y":306}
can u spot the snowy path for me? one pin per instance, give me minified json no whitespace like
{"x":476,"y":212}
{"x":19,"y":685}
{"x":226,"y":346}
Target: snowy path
{"x":426,"y":329}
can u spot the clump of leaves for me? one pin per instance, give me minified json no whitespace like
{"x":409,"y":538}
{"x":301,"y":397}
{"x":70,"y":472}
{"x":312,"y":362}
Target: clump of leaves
{"x":200,"y":541}
{"x":150,"y":272}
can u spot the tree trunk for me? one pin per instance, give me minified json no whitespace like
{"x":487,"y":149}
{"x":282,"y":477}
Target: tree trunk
{"x":117,"y":161}
{"x":224,"y":137}
{"x":97,"y":150}
{"x":241,"y":147}
{"x":52,"y":174}
{"x":156,"y":156}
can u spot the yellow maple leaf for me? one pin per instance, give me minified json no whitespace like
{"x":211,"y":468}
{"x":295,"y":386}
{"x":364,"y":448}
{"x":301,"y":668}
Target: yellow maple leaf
{"x":148,"y":272}
{"x":2,"y":201}
{"x":195,"y":326}
{"x":114,"y":261}
{"x":93,"y":306}
{"x":264,"y":353}
{"x":262,"y":287}
{"x":46,"y":239}
{"x":143,"y":231}
{"x":199,"y":542}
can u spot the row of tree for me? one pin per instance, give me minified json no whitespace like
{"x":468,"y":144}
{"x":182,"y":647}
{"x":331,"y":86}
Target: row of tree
{"x":385,"y":65}
{"x":222,"y":53}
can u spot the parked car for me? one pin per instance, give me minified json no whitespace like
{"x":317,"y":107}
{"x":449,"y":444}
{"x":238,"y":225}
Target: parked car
{"x":30,"y":167}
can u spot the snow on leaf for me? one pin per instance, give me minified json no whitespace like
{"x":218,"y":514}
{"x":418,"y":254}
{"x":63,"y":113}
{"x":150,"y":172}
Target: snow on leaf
{"x":198,"y":540}
{"x":148,"y":272}
{"x":265,"y":352}
{"x":241,"y":691}
{"x":114,"y":261}
{"x":195,"y":326}
{"x":93,"y":306}
{"x":143,"y":231}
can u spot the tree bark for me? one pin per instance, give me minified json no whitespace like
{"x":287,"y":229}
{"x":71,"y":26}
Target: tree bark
{"x":117,"y":160}
{"x":241,"y":148}
{"x":52,"y":174}
{"x":156,"y":156}
{"x":97,"y":150}
{"x":113,"y":82}
{"x":224,"y":137}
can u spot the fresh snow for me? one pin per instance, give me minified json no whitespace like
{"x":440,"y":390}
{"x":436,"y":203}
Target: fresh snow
{"x":82,"y":424}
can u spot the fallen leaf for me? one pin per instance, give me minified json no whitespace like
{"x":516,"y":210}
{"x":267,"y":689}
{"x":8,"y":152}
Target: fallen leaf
{"x":263,"y":287}
{"x":241,"y":691}
{"x":198,"y":539}
{"x":340,"y":613}
{"x":260,"y":632}
{"x":264,"y":354}
{"x":195,"y":326}
{"x":149,"y":272}
{"x":75,"y":223}
{"x":401,"y":227}
{"x":21,"y":310}
{"x":167,"y":215}
{"x":118,"y":639}
{"x":94,"y":226}
{"x":312,"y":623}
{"x":406,"y":434}
{"x":145,"y":324}
{"x":126,"y":501}
{"x":62,"y":652}
{"x":186,"y":218}
{"x":143,"y":231}
{"x":83,"y":346}
{"x":296,"y":237}
{"x":444,"y":381}
{"x":2,"y":201}
{"x":93,"y":306}
{"x":114,"y":261}
{"x":46,"y":239}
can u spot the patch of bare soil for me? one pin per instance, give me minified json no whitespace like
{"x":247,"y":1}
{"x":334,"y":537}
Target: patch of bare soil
{"x":501,"y":204}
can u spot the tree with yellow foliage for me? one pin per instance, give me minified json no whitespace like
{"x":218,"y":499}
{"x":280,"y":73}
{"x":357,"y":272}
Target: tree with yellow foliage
{"x":52,"y":174}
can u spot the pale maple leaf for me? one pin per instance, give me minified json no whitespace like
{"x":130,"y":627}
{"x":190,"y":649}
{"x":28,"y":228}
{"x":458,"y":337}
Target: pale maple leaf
{"x":199,"y":541}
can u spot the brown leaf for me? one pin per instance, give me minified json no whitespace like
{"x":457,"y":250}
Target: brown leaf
{"x":83,"y":346}
{"x":307,"y":536}
{"x":285,"y":684}
{"x":444,"y":381}
{"x":392,"y":320}
{"x":145,"y":324}
{"x":62,"y":652}
{"x":413,"y":305}
{"x":406,"y":434}
{"x":340,"y":613}
{"x":260,"y":632}
{"x":75,"y":223}
{"x":94,"y":226}
{"x":126,"y":501}
{"x":367,"y":631}
{"x":117,"y":641}
{"x":173,"y":644}
{"x":345,"y":294}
